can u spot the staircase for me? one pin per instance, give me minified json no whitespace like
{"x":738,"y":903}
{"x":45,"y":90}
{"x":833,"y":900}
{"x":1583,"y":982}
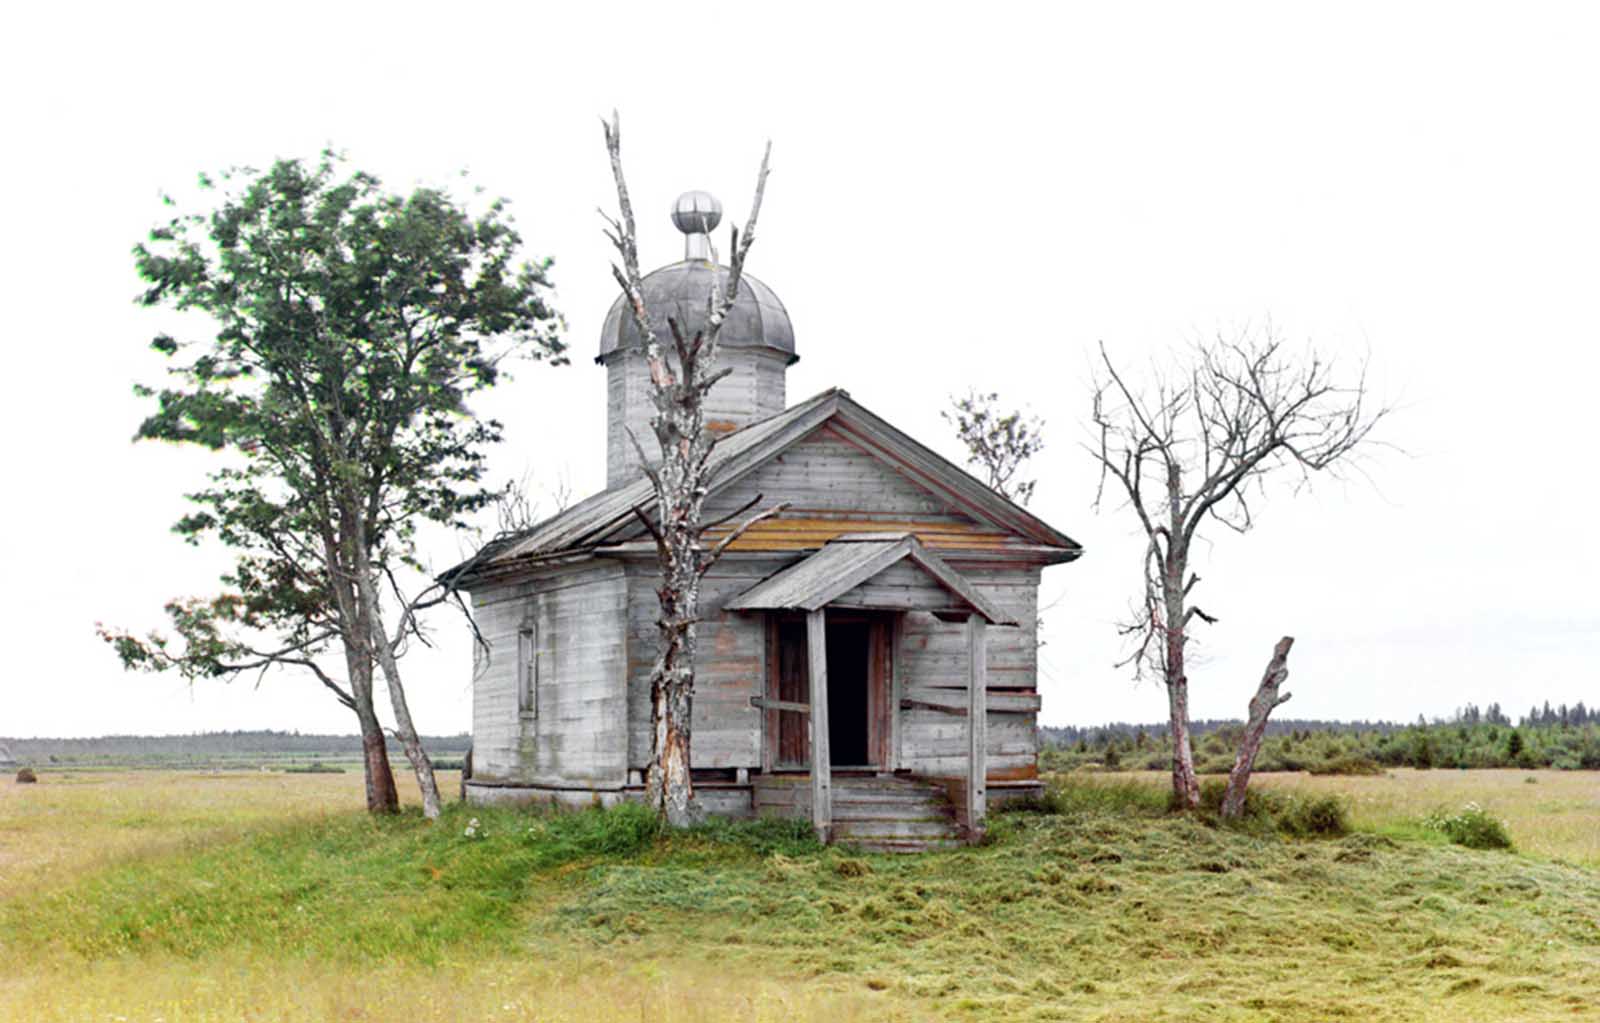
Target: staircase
{"x":889,"y":814}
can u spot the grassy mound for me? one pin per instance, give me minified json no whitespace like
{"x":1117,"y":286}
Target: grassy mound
{"x":1097,"y":905}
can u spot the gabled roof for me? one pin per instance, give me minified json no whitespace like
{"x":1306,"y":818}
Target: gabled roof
{"x":848,"y":561}
{"x":604,"y":518}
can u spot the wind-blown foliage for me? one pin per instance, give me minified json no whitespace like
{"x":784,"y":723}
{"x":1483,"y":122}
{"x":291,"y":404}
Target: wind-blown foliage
{"x":351,"y":328}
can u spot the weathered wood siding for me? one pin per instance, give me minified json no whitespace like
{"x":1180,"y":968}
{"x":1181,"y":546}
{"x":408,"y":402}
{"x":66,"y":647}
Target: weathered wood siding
{"x":933,"y":655}
{"x":731,"y":666}
{"x":578,"y":738}
{"x":754,"y":390}
{"x":827,"y":473}
{"x":901,"y":586}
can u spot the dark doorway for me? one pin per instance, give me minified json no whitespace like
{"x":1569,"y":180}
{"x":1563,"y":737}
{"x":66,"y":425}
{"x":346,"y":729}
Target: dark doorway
{"x":849,"y":693}
{"x":858,"y":691}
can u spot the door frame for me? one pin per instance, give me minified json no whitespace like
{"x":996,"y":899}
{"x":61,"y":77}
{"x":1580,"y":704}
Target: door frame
{"x":883,"y":687}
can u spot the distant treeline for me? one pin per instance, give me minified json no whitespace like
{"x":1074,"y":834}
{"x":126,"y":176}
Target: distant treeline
{"x":208,"y":746}
{"x":1471,"y":714}
{"x":1566,"y":738}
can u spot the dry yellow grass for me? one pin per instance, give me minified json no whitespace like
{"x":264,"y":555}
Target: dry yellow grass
{"x":1557,"y":816}
{"x":1094,"y":916}
{"x":548,"y":985}
{"x":75,"y":822}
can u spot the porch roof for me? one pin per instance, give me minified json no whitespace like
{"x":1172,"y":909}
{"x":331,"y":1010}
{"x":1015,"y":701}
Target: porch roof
{"x":846,"y":562}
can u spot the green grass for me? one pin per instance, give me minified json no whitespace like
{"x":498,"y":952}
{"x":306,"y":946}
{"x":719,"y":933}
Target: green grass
{"x":1103,"y":908}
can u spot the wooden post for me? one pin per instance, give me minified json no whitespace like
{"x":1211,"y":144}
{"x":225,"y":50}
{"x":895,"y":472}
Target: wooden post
{"x":977,"y":727}
{"x":897,"y":690}
{"x":821,"y":771}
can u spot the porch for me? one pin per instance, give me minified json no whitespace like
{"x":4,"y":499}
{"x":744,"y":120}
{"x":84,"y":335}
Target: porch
{"x":836,"y":692}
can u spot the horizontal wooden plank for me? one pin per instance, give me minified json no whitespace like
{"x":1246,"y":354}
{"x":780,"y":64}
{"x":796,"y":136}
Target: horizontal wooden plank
{"x":956,"y":700}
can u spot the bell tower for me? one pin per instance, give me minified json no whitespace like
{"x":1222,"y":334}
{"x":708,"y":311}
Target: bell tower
{"x":757,"y":343}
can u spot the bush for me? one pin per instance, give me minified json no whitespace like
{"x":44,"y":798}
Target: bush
{"x":1471,"y":826}
{"x":1264,"y":809}
{"x":1069,"y":794}
{"x":1349,"y":764}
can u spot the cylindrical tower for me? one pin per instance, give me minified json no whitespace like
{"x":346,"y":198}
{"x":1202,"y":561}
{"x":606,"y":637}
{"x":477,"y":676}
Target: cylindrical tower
{"x":757,"y":343}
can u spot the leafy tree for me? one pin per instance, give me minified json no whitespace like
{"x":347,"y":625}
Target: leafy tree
{"x":998,"y":443}
{"x":349,"y":326}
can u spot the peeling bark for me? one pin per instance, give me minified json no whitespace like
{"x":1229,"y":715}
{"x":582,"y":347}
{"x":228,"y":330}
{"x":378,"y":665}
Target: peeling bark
{"x":680,"y":379}
{"x":1261,"y":707}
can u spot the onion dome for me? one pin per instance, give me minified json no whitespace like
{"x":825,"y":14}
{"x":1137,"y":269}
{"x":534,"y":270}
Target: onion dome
{"x":679,"y":291}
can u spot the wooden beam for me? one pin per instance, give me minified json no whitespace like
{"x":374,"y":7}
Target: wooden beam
{"x":769,"y":704}
{"x":897,"y":687}
{"x":954,"y":701}
{"x":977,"y":728}
{"x":821,"y":771}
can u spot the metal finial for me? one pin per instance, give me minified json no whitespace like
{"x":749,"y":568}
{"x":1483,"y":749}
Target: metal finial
{"x":696,"y":214}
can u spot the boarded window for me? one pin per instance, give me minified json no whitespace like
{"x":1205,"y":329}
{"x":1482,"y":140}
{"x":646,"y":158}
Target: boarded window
{"x":528,"y":669}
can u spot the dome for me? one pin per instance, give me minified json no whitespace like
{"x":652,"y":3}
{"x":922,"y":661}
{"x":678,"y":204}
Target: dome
{"x":758,"y":319}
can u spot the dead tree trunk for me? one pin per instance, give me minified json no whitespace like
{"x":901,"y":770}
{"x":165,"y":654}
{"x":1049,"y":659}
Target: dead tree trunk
{"x":1194,"y":449}
{"x":1261,"y":706}
{"x":1185,"y":782}
{"x":681,"y":480}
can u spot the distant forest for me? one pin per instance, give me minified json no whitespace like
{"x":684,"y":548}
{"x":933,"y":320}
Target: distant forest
{"x":208,"y":747}
{"x":1563,"y":737}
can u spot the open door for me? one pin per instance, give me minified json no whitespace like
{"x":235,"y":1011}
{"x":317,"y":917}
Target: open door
{"x":858,"y":692}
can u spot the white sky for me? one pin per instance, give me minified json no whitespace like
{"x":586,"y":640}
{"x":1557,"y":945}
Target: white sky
{"x":957,"y":198}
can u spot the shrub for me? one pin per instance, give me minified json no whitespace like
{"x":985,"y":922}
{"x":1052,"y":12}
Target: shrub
{"x":1069,"y":794}
{"x":1471,"y":826}
{"x":1348,"y":764}
{"x":1298,"y":816}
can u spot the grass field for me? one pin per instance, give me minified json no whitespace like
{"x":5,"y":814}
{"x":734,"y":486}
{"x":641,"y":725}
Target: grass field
{"x":179,"y":898}
{"x":1554,"y":816}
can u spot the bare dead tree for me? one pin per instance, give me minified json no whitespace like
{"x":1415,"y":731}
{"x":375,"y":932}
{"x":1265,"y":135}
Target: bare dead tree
{"x":1261,"y":706}
{"x":680,"y":378}
{"x":1198,"y":446}
{"x":998,"y":443}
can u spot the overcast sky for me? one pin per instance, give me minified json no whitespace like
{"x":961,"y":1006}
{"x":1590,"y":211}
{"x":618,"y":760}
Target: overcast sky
{"x":958,"y":198}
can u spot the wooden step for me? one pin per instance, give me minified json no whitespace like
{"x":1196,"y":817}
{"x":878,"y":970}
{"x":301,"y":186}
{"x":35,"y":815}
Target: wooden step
{"x":873,"y":813}
{"x":918,"y":845}
{"x":892,"y":812}
{"x":847,"y":830}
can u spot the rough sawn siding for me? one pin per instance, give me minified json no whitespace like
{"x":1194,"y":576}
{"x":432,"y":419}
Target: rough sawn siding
{"x":579,"y":737}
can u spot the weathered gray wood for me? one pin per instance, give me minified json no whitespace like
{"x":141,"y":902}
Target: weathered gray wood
{"x":955,"y":701}
{"x":821,"y":769}
{"x":977,"y":728}
{"x":896,"y":689}
{"x":753,"y":390}
{"x":766,"y":703}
